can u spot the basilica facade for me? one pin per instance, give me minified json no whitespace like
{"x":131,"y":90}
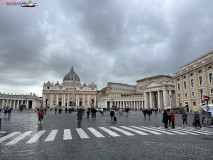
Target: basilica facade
{"x":70,"y":93}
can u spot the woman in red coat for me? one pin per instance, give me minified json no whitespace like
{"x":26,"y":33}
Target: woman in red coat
{"x":40,"y":115}
{"x":172,"y":119}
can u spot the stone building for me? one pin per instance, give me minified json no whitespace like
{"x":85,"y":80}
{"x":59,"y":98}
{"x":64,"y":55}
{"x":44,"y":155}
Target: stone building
{"x":14,"y":101}
{"x":158,"y":91}
{"x":193,"y":81}
{"x":151,"y":92}
{"x":70,"y":93}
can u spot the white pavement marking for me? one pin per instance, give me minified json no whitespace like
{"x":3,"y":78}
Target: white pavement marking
{"x":8,"y":136}
{"x":181,"y":130}
{"x":111,"y":133}
{"x":170,"y":130}
{"x":191,"y":130}
{"x":51,"y":136}
{"x":200,"y":130}
{"x":17,"y":139}
{"x":122,"y":131}
{"x":36,"y":137}
{"x":147,"y":130}
{"x":134,"y":130}
{"x":67,"y":134}
{"x":95,"y":132}
{"x":81,"y":133}
{"x":166,"y":132}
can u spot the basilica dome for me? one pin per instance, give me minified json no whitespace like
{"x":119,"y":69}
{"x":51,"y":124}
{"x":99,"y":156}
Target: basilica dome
{"x":71,"y":76}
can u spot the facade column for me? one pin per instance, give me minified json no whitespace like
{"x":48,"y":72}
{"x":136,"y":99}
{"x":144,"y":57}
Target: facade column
{"x":57,"y":100}
{"x":83,"y":100}
{"x":18,"y":104}
{"x":68,"y":100}
{"x":170,"y":98}
{"x":95,"y":101}
{"x":165,"y":98}
{"x":145,"y":100}
{"x":14,"y":104}
{"x":3,"y":103}
{"x":151,"y":99}
{"x":159,"y":100}
{"x":27,"y":105}
{"x":44,"y":100}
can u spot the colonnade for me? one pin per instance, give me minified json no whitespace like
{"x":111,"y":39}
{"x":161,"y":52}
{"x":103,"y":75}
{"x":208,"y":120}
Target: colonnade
{"x":15,"y":103}
{"x":68,"y":100}
{"x":159,"y":99}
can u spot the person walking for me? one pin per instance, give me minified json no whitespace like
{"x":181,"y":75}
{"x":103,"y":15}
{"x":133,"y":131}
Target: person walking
{"x":197,"y":120}
{"x":79,"y":117}
{"x":144,"y":113}
{"x":149,"y":113}
{"x":9,"y":112}
{"x":40,"y":115}
{"x":172,"y":119}
{"x":66,"y":110}
{"x":5,"y":112}
{"x":88,"y":112}
{"x":165,"y":119}
{"x":55,"y":110}
{"x":112,"y":114}
{"x":184,"y":117}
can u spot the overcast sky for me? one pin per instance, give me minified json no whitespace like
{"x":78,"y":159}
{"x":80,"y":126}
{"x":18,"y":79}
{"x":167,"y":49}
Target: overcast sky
{"x":105,"y":40}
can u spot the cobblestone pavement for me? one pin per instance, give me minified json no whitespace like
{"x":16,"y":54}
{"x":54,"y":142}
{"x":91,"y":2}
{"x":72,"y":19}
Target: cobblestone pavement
{"x":132,"y":137}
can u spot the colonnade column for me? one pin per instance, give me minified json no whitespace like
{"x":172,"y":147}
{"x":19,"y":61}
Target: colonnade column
{"x":159,"y":100}
{"x":57,"y":100}
{"x":165,"y":98}
{"x":150,"y":98}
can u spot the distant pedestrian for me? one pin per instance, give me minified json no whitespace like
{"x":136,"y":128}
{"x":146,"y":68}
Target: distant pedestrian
{"x":5,"y":112}
{"x":127,"y":112}
{"x":165,"y":119}
{"x":88,"y":112}
{"x":149,"y":113}
{"x":66,"y":110}
{"x":144,"y":113}
{"x":79,"y":117}
{"x":40,"y":115}
{"x":45,"y":110}
{"x":172,"y":119}
{"x":112,"y":114}
{"x":197,"y":120}
{"x":9,"y":112}
{"x":184,"y":117}
{"x":55,"y":110}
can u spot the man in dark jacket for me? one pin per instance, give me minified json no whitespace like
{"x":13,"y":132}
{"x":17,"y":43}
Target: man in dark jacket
{"x":79,"y":117}
{"x":165,"y":119}
{"x":112,"y":114}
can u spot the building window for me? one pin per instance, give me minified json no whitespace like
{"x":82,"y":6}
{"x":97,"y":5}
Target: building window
{"x":184,"y":83}
{"x":48,"y":87}
{"x":184,"y":77}
{"x":192,"y":83}
{"x":210,"y":68}
{"x":191,"y":74}
{"x":178,"y":79}
{"x":200,"y":71}
{"x":200,"y":80}
{"x":210,"y":77}
{"x":178,"y":86}
{"x":194,"y":103}
{"x":185,"y":94}
{"x":193,"y":94}
{"x":211,"y":90}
